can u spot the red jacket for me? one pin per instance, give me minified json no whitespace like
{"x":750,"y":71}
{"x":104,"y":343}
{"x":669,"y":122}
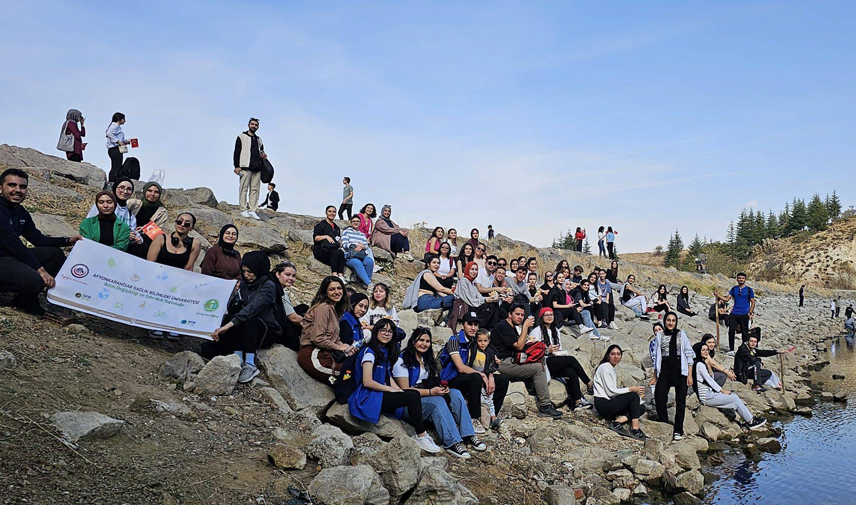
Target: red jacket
{"x":71,"y":128}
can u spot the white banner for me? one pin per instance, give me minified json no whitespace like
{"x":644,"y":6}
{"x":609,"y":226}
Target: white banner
{"x":109,"y":283}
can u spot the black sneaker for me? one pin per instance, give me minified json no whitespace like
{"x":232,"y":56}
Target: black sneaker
{"x":584,"y":404}
{"x":637,"y":434}
{"x":759,"y":389}
{"x":475,"y":443}
{"x":590,"y":390}
{"x":619,"y":428}
{"x":756,"y":423}
{"x":549,"y":411}
{"x":458,"y":450}
{"x":495,"y":424}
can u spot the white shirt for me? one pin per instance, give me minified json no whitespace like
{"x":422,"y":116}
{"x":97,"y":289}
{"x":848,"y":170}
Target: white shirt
{"x":605,"y":384}
{"x":399,"y":370}
{"x":484,"y":280}
{"x":114,"y":135}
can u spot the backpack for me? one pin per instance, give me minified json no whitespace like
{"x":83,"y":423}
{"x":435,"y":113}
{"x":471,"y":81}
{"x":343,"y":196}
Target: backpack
{"x":130,"y":169}
{"x":345,"y":384}
{"x":267,"y":171}
{"x":532,"y":353}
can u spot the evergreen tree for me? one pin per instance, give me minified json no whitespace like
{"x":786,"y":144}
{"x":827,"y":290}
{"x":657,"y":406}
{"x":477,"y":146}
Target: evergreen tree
{"x":833,"y":206}
{"x":771,"y":229}
{"x":760,"y":228}
{"x":696,"y":247}
{"x":731,"y":239}
{"x":817,"y":214}
{"x":743,"y":234}
{"x":673,"y":251}
{"x":799,"y":217}
{"x":785,"y":221}
{"x":586,"y":247}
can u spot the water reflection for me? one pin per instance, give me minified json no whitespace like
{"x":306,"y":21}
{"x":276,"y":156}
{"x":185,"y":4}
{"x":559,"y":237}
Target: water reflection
{"x":814,"y":451}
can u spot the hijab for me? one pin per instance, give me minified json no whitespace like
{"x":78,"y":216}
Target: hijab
{"x":119,"y":202}
{"x":259,"y":265}
{"x":674,"y":359}
{"x":467,"y":271}
{"x":147,"y":209}
{"x":387,"y":220}
{"x":73,"y":115}
{"x":229,"y":249}
{"x":357,"y":298}
{"x":156,"y":203}
{"x":112,"y":215}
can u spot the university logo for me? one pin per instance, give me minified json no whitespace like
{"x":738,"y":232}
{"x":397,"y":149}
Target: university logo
{"x":80,"y":270}
{"x":211,"y":305}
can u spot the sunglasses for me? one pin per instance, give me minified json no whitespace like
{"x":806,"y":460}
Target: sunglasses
{"x":491,"y":263}
{"x":181,"y":222}
{"x":480,"y":249}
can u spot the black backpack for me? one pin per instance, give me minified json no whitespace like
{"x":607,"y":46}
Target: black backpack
{"x":130,"y":169}
{"x":267,"y":171}
{"x":345,"y":384}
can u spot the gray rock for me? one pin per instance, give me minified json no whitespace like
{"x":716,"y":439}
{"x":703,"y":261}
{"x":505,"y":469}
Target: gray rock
{"x":386,"y":428}
{"x":299,"y":389}
{"x":560,"y":495}
{"x":622,"y":493}
{"x":348,"y":485}
{"x":382,"y":255}
{"x":258,"y":238}
{"x":277,"y":399}
{"x":35,"y":163}
{"x":303,"y":236}
{"x":685,"y":455}
{"x":685,"y":498}
{"x":77,"y":425}
{"x":710,"y":432}
{"x":330,"y":446}
{"x":7,"y":360}
{"x":182,"y":366}
{"x":768,"y":444}
{"x":397,"y":463}
{"x":431,"y":463}
{"x":200,"y":196}
{"x":38,"y":188}
{"x":52,"y":225}
{"x":692,"y":481}
{"x":437,"y":487}
{"x":218,"y":376}
{"x":287,"y":457}
{"x":212,"y":220}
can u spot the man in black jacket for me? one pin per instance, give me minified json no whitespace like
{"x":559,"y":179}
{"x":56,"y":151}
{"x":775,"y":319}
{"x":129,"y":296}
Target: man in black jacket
{"x":747,"y":364}
{"x":25,"y":271}
{"x":272,"y":198}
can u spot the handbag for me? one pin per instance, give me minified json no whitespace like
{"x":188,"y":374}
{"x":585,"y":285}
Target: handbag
{"x":532,"y":352}
{"x":352,"y":254}
{"x":66,"y":140}
{"x":267,"y":171}
{"x":123,"y":148}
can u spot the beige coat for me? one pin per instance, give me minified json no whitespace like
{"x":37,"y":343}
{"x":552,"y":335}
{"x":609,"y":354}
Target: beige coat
{"x":382,"y":234}
{"x":160,"y":217}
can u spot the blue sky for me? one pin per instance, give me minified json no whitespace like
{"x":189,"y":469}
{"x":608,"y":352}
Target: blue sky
{"x":532,"y":116}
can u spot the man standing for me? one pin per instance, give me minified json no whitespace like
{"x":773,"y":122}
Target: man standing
{"x":272,"y":198}
{"x":248,"y":156}
{"x":742,"y":312}
{"x":347,"y":198}
{"x":802,"y":295}
{"x":25,"y":271}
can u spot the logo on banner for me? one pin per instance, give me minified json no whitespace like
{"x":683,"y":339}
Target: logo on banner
{"x":80,"y":270}
{"x":211,"y":305}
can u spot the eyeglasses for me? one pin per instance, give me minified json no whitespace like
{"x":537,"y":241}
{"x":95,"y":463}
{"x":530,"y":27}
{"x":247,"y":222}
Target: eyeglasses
{"x":503,"y":264}
{"x":491,"y":263}
{"x":186,"y":224}
{"x":385,"y":331}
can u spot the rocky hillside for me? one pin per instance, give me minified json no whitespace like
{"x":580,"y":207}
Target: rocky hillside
{"x":826,"y":258}
{"x":98,"y":413}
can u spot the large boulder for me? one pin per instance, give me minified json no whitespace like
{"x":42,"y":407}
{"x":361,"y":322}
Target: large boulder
{"x":438,"y":487}
{"x":47,"y":167}
{"x":260,"y":238}
{"x":219,"y":376}
{"x":299,"y":389}
{"x":692,"y":481}
{"x":42,"y":190}
{"x":387,"y":427}
{"x":53,"y":225}
{"x":211,"y":220}
{"x":76,"y":425}
{"x":200,"y":196}
{"x":182,"y":366}
{"x":348,"y":485}
{"x":330,"y":446}
{"x":397,"y":463}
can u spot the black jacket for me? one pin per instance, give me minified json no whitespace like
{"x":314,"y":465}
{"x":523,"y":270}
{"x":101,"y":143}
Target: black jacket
{"x":743,"y":359}
{"x":271,"y":200}
{"x":258,"y":300}
{"x":490,"y":365}
{"x":15,"y":222}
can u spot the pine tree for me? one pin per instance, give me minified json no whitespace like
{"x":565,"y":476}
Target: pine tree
{"x":771,"y":229}
{"x":799,"y":217}
{"x":785,"y":221}
{"x":586,"y":247}
{"x":696,"y":247}
{"x":731,"y":239}
{"x":833,"y":206}
{"x":759,"y":229}
{"x":817,"y":214}
{"x":673,"y":251}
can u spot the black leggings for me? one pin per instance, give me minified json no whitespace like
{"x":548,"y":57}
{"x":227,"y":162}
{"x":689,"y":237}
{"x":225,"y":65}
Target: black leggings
{"x":735,"y":321}
{"x":470,"y":386}
{"x":661,"y":307}
{"x":627,"y":404}
{"x":115,"y":164}
{"x":569,"y":368}
{"x":610,"y":248}
{"x":411,"y":400}
{"x":661,"y":398}
{"x":605,"y":311}
{"x":333,"y":257}
{"x":247,"y":337}
{"x":568,"y":315}
{"x":22,"y":279}
{"x":685,"y":312}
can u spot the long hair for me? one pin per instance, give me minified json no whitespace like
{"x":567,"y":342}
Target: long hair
{"x":117,"y":116}
{"x":386,"y":301}
{"x":434,"y":233}
{"x":342,"y":306}
{"x":600,"y":230}
{"x":661,"y":292}
{"x":409,"y":354}
{"x":463,"y":257}
{"x":609,"y":350}
{"x":391,"y":346}
{"x":374,"y":210}
{"x":686,"y":296}
{"x":550,"y":335}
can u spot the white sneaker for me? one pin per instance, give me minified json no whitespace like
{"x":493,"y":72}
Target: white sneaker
{"x":477,"y":427}
{"x":585,"y":329}
{"x":254,"y":215}
{"x":245,"y":213}
{"x":344,"y":280}
{"x":594,"y":337}
{"x":427,"y":444}
{"x":408,"y":256}
{"x":604,"y":338}
{"x":613,"y":326}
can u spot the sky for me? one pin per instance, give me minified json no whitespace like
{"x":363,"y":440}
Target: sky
{"x":535,"y":117}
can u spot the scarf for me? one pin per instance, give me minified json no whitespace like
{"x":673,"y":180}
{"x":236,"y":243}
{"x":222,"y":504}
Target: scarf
{"x":229,"y":249}
{"x":259,"y":265}
{"x":73,"y":115}
{"x":467,"y":271}
{"x":120,"y":202}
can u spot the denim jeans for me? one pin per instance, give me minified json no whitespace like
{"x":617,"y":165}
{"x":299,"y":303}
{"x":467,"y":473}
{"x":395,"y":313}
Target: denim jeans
{"x":586,"y":315}
{"x":363,"y":268}
{"x":452,"y":421}
{"x":427,"y":302}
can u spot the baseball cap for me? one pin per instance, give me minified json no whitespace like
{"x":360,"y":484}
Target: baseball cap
{"x":471,"y":317}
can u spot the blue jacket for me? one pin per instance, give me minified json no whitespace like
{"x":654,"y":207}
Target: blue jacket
{"x":448,"y":370}
{"x":356,"y":333}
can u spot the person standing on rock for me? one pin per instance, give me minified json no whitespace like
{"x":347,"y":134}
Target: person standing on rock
{"x":72,"y":119}
{"x":272,"y":198}
{"x":673,"y":368}
{"x":116,"y":145}
{"x":848,"y":312}
{"x":802,"y":295}
{"x":742,"y":311}
{"x":618,"y":404}
{"x":247,"y":158}
{"x":25,"y":271}
{"x":347,"y":198}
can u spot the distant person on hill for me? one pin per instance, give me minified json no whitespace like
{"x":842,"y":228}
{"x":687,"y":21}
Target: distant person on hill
{"x":222,"y":260}
{"x":832,"y":308}
{"x":347,"y":198}
{"x":25,"y":271}
{"x":742,"y":312}
{"x":248,"y":159}
{"x":837,"y":308}
{"x":490,"y":233}
{"x":74,"y":126}
{"x":850,"y":324}
{"x":389,"y":237}
{"x":104,"y":227}
{"x":684,"y":302}
{"x":327,"y":239}
{"x":711,"y":393}
{"x":802,"y":295}
{"x":272,"y":198}
{"x":610,"y":242}
{"x":579,"y":237}
{"x":748,"y":365}
{"x":116,"y":145}
{"x":145,"y":211}
{"x":673,"y":368}
{"x":848,"y":312}
{"x":367,"y":215}
{"x":601,"y":242}
{"x":617,"y":404}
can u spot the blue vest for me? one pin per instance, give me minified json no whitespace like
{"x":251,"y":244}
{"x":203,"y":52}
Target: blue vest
{"x":413,"y":373}
{"x":365,"y":403}
{"x":356,"y":329}
{"x":448,"y":370}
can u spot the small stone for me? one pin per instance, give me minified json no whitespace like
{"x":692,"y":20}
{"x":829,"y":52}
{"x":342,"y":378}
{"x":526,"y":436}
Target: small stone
{"x":7,"y":360}
{"x":768,"y":444}
{"x":181,"y":366}
{"x":76,"y":425}
{"x":837,"y":377}
{"x":287,"y":457}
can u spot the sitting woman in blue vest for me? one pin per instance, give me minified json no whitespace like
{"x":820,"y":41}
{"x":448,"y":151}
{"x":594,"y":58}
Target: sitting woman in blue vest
{"x":350,"y":326}
{"x":376,"y":394}
{"x":416,"y":370}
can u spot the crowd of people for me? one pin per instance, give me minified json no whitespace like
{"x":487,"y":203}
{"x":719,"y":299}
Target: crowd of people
{"x":511,"y":312}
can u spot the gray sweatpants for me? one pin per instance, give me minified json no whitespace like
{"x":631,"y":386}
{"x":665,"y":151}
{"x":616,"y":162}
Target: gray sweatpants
{"x":534,"y":371}
{"x":732,"y":402}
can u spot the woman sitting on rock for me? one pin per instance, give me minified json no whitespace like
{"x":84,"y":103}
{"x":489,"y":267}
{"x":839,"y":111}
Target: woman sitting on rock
{"x":614,"y":403}
{"x":684,"y":302}
{"x":104,"y":227}
{"x":177,"y":249}
{"x":719,"y":372}
{"x":376,"y":394}
{"x":416,"y":370}
{"x":289,"y":316}
{"x":389,"y":237}
{"x":632,"y":298}
{"x":380,"y":307}
{"x":560,"y":365}
{"x":350,"y":327}
{"x":468,"y":254}
{"x":122,"y":190}
{"x":320,"y":339}
{"x":660,"y":299}
{"x":471,"y":300}
{"x":432,"y":294}
{"x":326,"y":237}
{"x":673,"y":368}
{"x":222,"y":260}
{"x":447,"y":271}
{"x":432,"y":246}
{"x":358,"y":255}
{"x":252,"y":309}
{"x":366,"y":214}
{"x":710,"y":393}
{"x":145,"y":211}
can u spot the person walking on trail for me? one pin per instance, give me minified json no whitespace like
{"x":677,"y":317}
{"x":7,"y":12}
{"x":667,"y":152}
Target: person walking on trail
{"x":742,"y":312}
{"x":347,"y":198}
{"x":802,"y":295}
{"x":248,"y":156}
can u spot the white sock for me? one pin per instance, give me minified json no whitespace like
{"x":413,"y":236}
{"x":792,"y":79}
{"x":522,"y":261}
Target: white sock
{"x":240,"y":354}
{"x":251,"y":358}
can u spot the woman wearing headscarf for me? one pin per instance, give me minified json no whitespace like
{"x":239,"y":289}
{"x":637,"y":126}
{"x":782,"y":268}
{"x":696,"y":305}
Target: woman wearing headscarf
{"x":673,"y":368}
{"x":148,"y":210}
{"x":468,"y":294}
{"x":350,"y":326}
{"x":222,"y":259}
{"x":72,"y":118}
{"x":122,"y":190}
{"x":252,"y":309}
{"x":711,"y":394}
{"x":389,"y":237}
{"x":104,"y":227}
